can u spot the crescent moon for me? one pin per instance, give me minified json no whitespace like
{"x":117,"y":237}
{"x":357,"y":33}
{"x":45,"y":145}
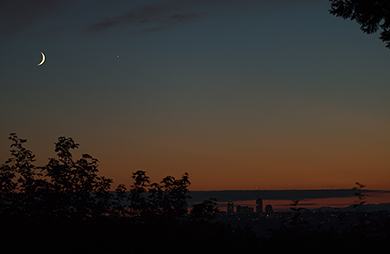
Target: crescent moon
{"x":43,"y":59}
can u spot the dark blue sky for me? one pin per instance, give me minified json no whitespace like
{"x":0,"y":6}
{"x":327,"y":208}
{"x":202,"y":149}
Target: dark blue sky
{"x":277,"y":93}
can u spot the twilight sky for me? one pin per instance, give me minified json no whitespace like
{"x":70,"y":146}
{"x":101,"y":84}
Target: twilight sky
{"x":277,"y":94}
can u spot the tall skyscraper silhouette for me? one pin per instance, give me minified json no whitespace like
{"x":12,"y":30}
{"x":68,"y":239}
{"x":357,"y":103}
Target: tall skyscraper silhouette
{"x":259,"y":205}
{"x":230,"y":208}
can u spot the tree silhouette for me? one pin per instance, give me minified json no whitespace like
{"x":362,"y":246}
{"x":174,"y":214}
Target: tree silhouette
{"x":207,"y":210}
{"x":360,"y":195}
{"x":165,"y":199}
{"x":119,"y":202}
{"x":20,"y":185}
{"x":175,"y":195}
{"x":138,"y":190}
{"x":62,"y":188}
{"x":371,"y":15}
{"x":69,"y":188}
{"x":75,"y":185}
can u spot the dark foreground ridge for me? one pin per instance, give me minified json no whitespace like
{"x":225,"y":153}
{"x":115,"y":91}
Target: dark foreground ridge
{"x":66,"y":207}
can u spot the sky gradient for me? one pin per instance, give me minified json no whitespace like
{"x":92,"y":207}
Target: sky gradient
{"x":239,"y":94}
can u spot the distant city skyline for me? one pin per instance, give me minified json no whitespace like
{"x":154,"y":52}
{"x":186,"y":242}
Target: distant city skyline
{"x":281,"y":200}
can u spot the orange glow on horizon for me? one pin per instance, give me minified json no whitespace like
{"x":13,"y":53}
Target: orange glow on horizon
{"x":285,"y":205}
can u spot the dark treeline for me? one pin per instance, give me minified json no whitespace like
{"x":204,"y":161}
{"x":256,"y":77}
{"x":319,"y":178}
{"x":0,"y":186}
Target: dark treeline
{"x":69,"y":188}
{"x":66,"y":206}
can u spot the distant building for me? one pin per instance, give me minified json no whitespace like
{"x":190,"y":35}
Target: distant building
{"x":269,"y":209}
{"x":230,"y":208}
{"x":244,"y":209}
{"x":259,"y":205}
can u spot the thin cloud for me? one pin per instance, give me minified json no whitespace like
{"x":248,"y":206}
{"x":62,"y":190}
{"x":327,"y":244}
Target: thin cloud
{"x":181,"y":18}
{"x":161,"y":15}
{"x":170,"y":13}
{"x":142,"y":15}
{"x":17,"y":15}
{"x":151,"y":30}
{"x":172,"y":22}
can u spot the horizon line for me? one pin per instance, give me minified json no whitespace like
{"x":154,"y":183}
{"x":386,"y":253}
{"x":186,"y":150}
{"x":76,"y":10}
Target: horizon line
{"x":294,"y":190}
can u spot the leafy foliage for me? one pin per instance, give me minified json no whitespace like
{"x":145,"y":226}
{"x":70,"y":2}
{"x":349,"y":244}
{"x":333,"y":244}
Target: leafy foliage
{"x":167,"y":198}
{"x":69,"y":188}
{"x":206,"y":210}
{"x":371,"y":15}
{"x":62,"y":188}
